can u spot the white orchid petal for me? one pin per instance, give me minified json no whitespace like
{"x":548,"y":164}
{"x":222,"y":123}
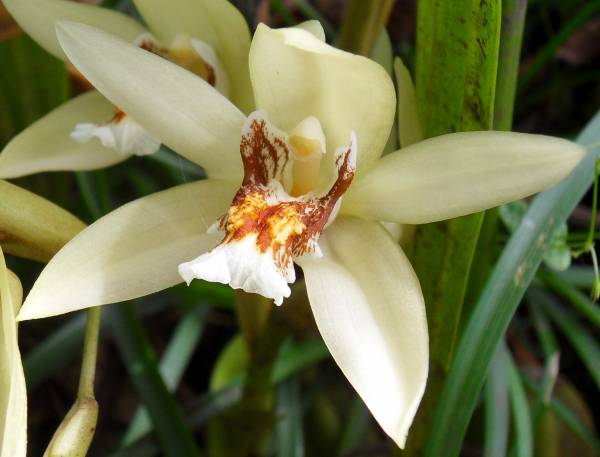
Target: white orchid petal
{"x":123,"y":135}
{"x":176,"y":107}
{"x":460,"y":173}
{"x":409,"y":125}
{"x":295,"y":75}
{"x":313,"y":26}
{"x":368,"y":306}
{"x":46,"y":144}
{"x":13,"y":393}
{"x":216,"y":22}
{"x":240,"y":264}
{"x":37,"y":18}
{"x":131,"y":252}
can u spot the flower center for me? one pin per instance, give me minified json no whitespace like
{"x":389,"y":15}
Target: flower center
{"x":122,"y":133}
{"x":266,"y":228}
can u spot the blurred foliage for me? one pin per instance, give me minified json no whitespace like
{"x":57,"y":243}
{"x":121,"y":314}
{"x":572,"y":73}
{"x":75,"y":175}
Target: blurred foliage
{"x":535,"y":403}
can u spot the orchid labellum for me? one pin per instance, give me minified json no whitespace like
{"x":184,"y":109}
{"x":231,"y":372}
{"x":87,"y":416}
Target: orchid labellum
{"x":300,"y":181}
{"x":210,"y":38}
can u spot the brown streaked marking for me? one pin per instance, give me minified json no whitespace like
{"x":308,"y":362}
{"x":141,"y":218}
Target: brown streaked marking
{"x":265,"y":154}
{"x":288,"y":228}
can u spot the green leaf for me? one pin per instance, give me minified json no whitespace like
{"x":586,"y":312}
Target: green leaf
{"x":173,"y":364}
{"x":496,"y":408}
{"x":520,"y":410}
{"x":499,"y":300}
{"x":32,"y":82}
{"x":584,"y":344}
{"x":580,"y":301}
{"x":289,"y":435}
{"x":174,"y":436}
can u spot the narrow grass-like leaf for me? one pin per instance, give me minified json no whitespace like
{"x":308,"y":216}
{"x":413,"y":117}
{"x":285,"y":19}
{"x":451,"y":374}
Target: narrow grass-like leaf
{"x":500,"y":298}
{"x":355,"y":429}
{"x":497,"y":411}
{"x":172,"y":432}
{"x":579,"y":300}
{"x":172,"y":365}
{"x":520,"y":410}
{"x":544,"y":330}
{"x":584,"y":344}
{"x":211,"y":405}
{"x":565,"y":414}
{"x":580,"y":277}
{"x":64,"y":344}
{"x":289,"y":437}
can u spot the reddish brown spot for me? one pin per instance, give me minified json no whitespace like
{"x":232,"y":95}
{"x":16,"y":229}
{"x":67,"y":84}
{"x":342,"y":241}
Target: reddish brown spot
{"x":119,"y":116}
{"x":150,"y":46}
{"x":211,"y":77}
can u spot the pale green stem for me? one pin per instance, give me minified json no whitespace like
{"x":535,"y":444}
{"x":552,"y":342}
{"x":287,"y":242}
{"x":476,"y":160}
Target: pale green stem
{"x":90,"y":352}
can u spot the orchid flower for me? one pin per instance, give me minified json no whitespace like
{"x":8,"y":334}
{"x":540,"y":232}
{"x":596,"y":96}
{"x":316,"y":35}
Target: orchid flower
{"x":13,"y":393}
{"x":310,"y":188}
{"x":210,"y":38}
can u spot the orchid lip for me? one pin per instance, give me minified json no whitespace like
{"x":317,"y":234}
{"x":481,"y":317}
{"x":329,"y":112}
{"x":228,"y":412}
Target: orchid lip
{"x":266,"y":228}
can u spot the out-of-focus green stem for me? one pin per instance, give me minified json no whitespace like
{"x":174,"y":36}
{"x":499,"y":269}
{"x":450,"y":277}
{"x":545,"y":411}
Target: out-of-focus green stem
{"x":362,"y":24}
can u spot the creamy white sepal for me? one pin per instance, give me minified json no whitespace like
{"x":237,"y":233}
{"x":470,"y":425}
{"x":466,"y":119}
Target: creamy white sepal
{"x":131,"y":252}
{"x":207,"y":53}
{"x":459,"y":173}
{"x":124,"y":136}
{"x":242,"y":265}
{"x":369,"y":309}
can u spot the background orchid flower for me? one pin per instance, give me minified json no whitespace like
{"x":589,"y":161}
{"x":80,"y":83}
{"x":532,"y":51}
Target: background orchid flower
{"x":314,"y":99}
{"x":208,"y":37}
{"x":13,"y":393}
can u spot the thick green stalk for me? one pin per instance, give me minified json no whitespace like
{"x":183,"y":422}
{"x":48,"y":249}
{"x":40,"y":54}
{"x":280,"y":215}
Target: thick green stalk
{"x":243,"y":430}
{"x":457,"y":56}
{"x":511,"y":39}
{"x":362,"y":24}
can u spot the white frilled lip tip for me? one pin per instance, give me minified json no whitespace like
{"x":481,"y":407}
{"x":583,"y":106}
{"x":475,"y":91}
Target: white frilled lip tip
{"x":241,"y":265}
{"x":121,"y":134}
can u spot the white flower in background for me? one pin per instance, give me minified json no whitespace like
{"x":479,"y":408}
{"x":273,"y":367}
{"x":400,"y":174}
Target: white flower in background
{"x":210,"y":38}
{"x":324,"y":117}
